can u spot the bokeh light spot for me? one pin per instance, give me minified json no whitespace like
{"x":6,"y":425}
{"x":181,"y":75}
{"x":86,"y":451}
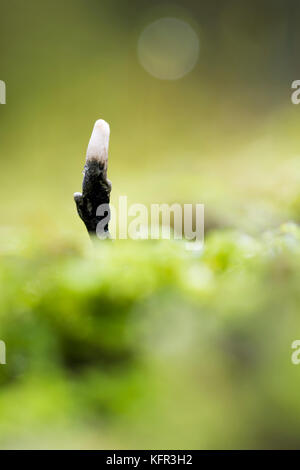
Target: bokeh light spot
{"x":168,"y":49}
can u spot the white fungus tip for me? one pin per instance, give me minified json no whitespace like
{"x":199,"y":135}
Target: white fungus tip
{"x":98,"y":144}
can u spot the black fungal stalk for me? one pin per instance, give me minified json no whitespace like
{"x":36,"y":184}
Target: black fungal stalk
{"x":93,"y":203}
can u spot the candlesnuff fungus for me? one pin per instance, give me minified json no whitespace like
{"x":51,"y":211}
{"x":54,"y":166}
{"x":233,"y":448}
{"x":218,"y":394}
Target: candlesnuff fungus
{"x":96,"y":187}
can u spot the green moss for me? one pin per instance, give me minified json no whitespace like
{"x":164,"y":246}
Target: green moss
{"x":151,"y":345}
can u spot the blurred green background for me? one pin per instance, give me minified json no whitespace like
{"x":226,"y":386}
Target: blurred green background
{"x":141,"y":344}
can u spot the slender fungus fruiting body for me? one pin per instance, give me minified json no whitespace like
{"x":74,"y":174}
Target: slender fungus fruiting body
{"x":96,"y":187}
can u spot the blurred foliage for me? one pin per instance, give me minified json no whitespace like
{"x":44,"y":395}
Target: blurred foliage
{"x":143,"y":344}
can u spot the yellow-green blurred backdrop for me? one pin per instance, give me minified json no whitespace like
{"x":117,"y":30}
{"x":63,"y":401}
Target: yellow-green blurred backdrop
{"x":224,"y":132}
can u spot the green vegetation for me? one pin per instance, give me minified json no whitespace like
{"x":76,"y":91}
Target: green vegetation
{"x":142,"y":344}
